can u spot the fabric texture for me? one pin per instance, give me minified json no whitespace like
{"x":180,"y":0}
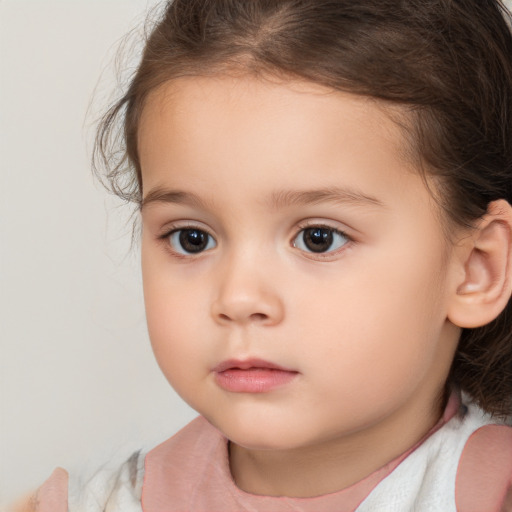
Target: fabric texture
{"x":464,"y":465}
{"x":52,"y":496}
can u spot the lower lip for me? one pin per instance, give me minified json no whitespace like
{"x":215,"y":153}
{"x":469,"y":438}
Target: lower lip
{"x":253,"y":380}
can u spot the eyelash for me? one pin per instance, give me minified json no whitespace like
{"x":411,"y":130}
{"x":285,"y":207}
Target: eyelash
{"x":165,"y":237}
{"x":333,"y":230}
{"x":301,"y":228}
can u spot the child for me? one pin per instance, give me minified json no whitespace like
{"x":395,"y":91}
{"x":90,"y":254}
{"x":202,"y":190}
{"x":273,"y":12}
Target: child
{"x":324,"y":188}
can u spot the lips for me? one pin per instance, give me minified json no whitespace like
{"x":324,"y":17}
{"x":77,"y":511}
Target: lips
{"x":252,"y":375}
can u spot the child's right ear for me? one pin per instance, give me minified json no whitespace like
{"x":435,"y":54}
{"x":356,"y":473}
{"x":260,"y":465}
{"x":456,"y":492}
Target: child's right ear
{"x":484,"y":283}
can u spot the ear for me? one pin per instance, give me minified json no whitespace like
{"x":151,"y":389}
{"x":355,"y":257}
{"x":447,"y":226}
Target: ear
{"x":484,"y":284}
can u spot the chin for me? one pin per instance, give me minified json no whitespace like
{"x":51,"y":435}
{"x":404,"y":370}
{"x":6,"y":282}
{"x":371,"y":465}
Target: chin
{"x":259,"y":435}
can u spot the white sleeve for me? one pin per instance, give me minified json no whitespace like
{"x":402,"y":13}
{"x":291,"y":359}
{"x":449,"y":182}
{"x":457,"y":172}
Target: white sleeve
{"x":117,"y":489}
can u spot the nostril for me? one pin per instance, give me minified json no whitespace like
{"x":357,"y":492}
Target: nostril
{"x":258,"y":316}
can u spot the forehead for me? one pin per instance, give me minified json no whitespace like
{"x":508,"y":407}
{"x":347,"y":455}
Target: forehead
{"x":193,"y":117}
{"x":248,"y":94}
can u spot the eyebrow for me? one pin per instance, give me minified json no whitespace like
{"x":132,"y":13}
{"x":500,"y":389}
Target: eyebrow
{"x":283,"y":198}
{"x":278,"y":200}
{"x":163,"y":195}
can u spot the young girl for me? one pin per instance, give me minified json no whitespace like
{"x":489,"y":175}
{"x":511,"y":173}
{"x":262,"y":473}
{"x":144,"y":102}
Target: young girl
{"x":324,"y":188}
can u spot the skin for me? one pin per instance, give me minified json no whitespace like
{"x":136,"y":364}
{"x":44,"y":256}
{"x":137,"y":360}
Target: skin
{"x":25,"y":504}
{"x":364,"y":325}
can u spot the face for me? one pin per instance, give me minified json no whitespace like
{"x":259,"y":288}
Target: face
{"x":296,"y":276}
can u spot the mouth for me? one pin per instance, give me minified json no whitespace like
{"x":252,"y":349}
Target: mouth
{"x":252,"y":375}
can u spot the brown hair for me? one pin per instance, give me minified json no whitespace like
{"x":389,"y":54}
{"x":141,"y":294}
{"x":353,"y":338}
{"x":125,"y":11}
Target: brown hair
{"x":447,"y":63}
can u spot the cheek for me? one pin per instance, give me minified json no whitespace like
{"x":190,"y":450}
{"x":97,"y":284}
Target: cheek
{"x":175,"y":343}
{"x":172,"y":311}
{"x":379,"y":322}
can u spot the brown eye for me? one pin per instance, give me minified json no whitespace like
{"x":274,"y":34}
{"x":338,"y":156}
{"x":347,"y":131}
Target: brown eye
{"x":320,"y":239}
{"x":191,"y":241}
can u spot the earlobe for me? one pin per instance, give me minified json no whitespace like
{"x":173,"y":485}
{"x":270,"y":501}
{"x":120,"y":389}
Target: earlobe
{"x":486,"y":286}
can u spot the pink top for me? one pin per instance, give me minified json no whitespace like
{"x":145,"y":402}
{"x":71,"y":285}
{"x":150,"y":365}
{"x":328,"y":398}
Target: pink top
{"x":164,"y":478}
{"x":192,"y":467}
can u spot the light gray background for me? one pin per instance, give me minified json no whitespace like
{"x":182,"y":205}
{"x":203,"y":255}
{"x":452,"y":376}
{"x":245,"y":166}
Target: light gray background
{"x":78,"y":383}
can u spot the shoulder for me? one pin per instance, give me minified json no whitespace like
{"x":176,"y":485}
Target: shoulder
{"x":484,"y":474}
{"x":112,"y":487}
{"x":116,"y":487}
{"x":188,"y":470}
{"x":464,"y":465}
{"x":52,"y":496}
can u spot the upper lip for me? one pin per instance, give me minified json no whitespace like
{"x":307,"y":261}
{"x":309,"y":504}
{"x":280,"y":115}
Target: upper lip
{"x":246,"y":364}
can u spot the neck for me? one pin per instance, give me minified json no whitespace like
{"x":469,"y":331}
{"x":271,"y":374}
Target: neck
{"x":334,"y":464}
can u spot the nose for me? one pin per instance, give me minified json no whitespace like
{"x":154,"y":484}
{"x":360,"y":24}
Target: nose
{"x":247,"y":294}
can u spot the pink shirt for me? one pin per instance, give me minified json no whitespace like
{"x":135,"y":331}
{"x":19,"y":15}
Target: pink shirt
{"x":190,"y":471}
